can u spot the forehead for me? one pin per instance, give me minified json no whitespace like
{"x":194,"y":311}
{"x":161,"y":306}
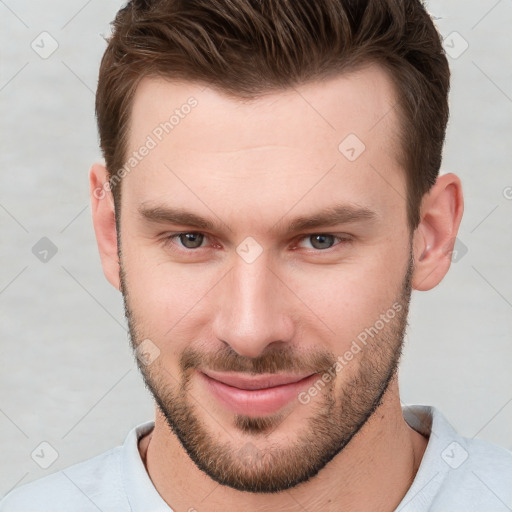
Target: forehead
{"x":322,"y":139}
{"x":353,"y":102}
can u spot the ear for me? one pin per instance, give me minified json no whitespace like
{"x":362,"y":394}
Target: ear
{"x":434,"y":238}
{"x":103,"y":217}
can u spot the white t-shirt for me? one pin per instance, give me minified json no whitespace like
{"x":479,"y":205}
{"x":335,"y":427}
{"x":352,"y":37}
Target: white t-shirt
{"x":456,"y":474}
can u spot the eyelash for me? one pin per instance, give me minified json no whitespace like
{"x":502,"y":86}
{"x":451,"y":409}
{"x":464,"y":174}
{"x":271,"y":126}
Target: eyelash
{"x":170,"y":237}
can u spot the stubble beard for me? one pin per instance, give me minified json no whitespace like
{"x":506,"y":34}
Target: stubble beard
{"x":260,"y":465}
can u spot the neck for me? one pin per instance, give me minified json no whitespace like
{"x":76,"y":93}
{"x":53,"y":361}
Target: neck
{"x":373,"y":472}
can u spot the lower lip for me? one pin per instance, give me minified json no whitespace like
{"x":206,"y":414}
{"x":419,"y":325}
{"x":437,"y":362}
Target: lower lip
{"x":256,"y":402}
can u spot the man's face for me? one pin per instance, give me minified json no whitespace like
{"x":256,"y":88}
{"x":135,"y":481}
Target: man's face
{"x":254,"y":293}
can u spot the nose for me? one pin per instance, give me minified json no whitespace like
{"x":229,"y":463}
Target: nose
{"x":254,"y":308}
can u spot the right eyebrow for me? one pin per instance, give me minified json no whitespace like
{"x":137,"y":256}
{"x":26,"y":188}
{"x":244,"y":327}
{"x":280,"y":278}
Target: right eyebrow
{"x":170,"y":215}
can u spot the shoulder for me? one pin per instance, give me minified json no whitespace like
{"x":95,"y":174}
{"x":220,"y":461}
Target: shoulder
{"x":457,"y":473}
{"x":92,"y":485}
{"x":481,"y":470}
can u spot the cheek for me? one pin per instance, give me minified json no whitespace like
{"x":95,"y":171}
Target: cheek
{"x":344,"y":300}
{"x":164,"y":297}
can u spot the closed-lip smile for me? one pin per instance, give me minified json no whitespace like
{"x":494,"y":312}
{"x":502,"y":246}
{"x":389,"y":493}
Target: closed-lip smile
{"x":256,"y":395}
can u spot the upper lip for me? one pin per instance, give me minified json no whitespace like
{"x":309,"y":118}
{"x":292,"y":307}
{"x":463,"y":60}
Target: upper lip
{"x":256,"y":382}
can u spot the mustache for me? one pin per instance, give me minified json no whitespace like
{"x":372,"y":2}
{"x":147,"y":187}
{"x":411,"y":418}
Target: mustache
{"x":274,"y":361}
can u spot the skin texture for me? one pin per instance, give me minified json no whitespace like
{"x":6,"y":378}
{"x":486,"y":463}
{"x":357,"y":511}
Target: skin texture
{"x":253,"y":166}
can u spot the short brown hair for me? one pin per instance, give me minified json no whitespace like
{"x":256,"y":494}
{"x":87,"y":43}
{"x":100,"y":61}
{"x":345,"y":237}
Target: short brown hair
{"x":249,"y":47}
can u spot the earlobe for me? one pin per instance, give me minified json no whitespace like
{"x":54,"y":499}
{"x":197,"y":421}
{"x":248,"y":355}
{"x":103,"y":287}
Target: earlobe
{"x":104,"y":221}
{"x":441,"y":214}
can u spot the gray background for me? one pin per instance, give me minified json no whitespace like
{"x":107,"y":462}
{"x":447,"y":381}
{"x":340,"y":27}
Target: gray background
{"x":67,"y":375}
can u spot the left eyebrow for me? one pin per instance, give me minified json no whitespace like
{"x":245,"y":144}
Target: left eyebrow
{"x":331,"y":216}
{"x":328,"y":217}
